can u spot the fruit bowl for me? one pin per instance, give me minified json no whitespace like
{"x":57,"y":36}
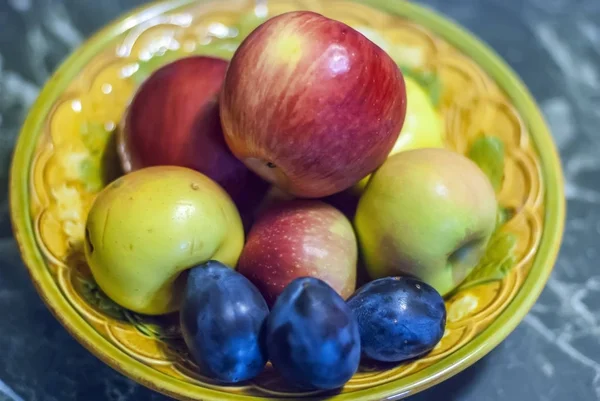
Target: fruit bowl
{"x":66,"y":154}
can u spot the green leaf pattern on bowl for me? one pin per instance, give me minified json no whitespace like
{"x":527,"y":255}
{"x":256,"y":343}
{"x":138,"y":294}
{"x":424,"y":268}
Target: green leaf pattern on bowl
{"x":95,"y":297}
{"x":488,"y":153}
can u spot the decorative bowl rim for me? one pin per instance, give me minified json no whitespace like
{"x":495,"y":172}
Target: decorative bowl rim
{"x":499,"y":329}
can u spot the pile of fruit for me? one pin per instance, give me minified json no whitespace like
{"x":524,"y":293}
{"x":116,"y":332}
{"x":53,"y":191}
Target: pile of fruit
{"x":289,"y":208}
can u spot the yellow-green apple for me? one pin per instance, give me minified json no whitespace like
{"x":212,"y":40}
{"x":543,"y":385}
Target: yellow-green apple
{"x":423,"y":126}
{"x":147,"y":227}
{"x":311,"y":105}
{"x":298,"y":238}
{"x":173,"y":119}
{"x":426,"y":212}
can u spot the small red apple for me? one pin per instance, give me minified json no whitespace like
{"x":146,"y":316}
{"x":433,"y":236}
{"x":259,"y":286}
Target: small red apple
{"x":299,"y":238}
{"x":173,"y":119}
{"x":311,"y":105}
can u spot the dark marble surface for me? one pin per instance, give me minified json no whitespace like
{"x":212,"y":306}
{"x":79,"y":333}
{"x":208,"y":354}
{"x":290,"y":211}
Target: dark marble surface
{"x":554,"y":355}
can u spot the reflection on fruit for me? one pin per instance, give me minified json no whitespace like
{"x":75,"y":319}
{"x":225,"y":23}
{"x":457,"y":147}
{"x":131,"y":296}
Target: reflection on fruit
{"x":311,"y":105}
{"x":426,"y":212}
{"x":399,"y":318}
{"x":174,"y":120}
{"x":222,"y":321}
{"x":300,"y":238}
{"x":147,"y":227}
{"x":312,"y":336}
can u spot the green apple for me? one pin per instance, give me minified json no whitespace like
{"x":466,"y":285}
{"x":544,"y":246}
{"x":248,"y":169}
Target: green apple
{"x":149,"y":226}
{"x":426,"y":212}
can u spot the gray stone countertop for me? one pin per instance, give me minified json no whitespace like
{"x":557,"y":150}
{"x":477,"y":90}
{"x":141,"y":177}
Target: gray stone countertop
{"x":554,"y":354}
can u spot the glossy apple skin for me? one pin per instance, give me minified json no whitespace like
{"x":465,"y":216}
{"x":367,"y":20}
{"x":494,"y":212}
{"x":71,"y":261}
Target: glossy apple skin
{"x":173,"y":119}
{"x":311,"y":105}
{"x":300,"y":238}
{"x":428,"y":213}
{"x":148,"y":227}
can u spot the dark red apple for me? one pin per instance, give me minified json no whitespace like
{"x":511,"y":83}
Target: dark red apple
{"x":173,"y":119}
{"x":299,"y":238}
{"x":311,"y":105}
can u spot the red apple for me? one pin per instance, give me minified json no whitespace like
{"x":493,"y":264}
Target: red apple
{"x":174,"y":119}
{"x":299,"y":238}
{"x":311,"y":105}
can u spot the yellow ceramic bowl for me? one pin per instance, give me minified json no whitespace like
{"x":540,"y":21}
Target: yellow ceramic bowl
{"x":65,"y":155}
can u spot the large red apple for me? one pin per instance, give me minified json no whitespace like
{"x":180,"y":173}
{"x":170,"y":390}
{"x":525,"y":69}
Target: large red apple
{"x":311,"y":105}
{"x":173,"y":119}
{"x":299,"y":238}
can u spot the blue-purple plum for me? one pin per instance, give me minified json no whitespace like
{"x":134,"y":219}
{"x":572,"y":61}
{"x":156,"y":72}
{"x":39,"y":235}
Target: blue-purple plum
{"x":312,"y":336}
{"x":223,"y":318}
{"x":399,"y":318}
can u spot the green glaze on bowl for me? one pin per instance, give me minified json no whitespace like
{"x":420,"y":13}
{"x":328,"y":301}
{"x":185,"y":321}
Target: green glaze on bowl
{"x":66,"y":154}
